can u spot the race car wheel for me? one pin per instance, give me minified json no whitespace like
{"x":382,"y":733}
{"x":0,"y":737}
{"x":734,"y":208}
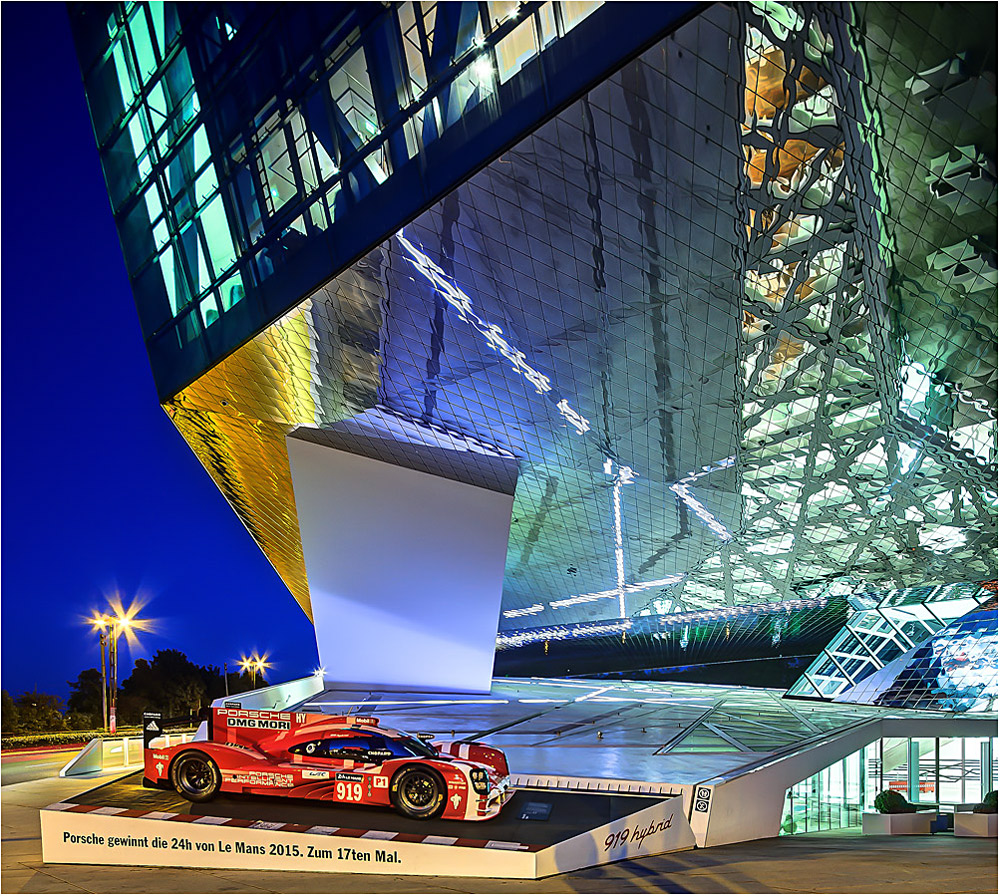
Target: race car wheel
{"x":195,"y":776}
{"x":417,"y":792}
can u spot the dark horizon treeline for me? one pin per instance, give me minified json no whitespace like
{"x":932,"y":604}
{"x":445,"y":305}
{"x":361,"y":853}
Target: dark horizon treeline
{"x":169,"y":683}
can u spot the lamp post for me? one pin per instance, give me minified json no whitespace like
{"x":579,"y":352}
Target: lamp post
{"x":101,"y":624}
{"x":111,"y":626}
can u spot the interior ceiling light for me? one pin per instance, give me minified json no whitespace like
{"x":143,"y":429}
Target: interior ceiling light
{"x":942,"y":538}
{"x":492,"y":333}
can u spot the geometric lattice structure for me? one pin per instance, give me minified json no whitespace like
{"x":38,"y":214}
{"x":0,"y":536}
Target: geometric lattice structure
{"x":954,"y":670}
{"x":725,"y":290}
{"x":884,"y":627}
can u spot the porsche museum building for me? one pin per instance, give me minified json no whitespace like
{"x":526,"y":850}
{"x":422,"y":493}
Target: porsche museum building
{"x":627,"y":376}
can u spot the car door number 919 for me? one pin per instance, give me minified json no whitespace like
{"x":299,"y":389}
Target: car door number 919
{"x":349,"y":792}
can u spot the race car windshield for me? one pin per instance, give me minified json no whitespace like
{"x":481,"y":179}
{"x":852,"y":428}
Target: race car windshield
{"x":418,"y":747}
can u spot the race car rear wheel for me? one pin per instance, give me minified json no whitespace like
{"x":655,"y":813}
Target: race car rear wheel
{"x":417,"y":792}
{"x":195,"y":776}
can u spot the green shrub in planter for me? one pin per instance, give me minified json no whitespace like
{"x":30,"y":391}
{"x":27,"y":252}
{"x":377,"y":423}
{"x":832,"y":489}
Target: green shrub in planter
{"x":988,"y":806}
{"x":892,"y":802}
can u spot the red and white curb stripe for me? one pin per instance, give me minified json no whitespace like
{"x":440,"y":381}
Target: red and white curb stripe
{"x":289,"y":827}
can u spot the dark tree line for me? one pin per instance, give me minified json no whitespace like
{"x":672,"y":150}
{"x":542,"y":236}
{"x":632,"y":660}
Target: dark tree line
{"x":169,"y":682}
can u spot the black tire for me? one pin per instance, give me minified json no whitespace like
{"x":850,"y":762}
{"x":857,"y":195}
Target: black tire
{"x":418,"y":792}
{"x":195,"y":776}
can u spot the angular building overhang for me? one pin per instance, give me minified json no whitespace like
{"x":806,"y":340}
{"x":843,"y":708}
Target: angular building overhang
{"x":732,"y":312}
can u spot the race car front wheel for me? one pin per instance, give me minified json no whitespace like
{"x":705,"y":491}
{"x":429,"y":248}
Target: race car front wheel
{"x":417,"y":792}
{"x":195,"y":776}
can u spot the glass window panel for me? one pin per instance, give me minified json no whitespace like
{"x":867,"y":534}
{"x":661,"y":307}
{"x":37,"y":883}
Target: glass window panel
{"x":174,"y":281}
{"x":122,"y":71}
{"x":502,"y":10}
{"x":277,"y":170}
{"x":204,"y":274}
{"x":139,"y":133}
{"x":165,"y":25}
{"x":137,"y":237}
{"x":201,"y":150}
{"x":514,"y":50}
{"x":120,"y":169}
{"x":217,"y":236}
{"x":142,"y":44}
{"x":575,"y":12}
{"x":232,"y":292}
{"x":351,"y":91}
{"x":547,"y":23}
{"x":209,"y":310}
{"x":157,"y":105}
{"x":206,"y":184}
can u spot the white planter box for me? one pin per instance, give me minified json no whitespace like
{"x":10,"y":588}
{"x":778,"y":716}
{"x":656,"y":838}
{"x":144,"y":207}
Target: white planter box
{"x":900,"y":823}
{"x":969,"y":824}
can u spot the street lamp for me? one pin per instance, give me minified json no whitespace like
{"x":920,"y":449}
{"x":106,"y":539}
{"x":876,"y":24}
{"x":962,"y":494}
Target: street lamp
{"x":255,"y":665}
{"x":110,"y":626}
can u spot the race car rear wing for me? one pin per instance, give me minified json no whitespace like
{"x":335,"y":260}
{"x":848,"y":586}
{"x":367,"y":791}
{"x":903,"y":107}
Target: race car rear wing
{"x":264,"y":728}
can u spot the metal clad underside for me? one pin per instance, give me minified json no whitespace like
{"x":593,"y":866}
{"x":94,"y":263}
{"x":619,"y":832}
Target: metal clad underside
{"x":732,"y":313}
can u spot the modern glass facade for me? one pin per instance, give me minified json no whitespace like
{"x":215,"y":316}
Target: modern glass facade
{"x":724,"y":286}
{"x":934,"y":772}
{"x":252,"y":150}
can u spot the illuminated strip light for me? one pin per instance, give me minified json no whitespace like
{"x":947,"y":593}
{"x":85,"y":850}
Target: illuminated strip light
{"x":711,"y":468}
{"x":564,"y":632}
{"x":680,"y":488}
{"x":701,"y":511}
{"x":386,"y":703}
{"x":613,"y":592}
{"x":624,"y":476}
{"x":492,"y":333}
{"x":560,"y":633}
{"x":524,"y":611}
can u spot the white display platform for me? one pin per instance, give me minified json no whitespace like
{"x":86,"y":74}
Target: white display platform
{"x":897,"y":823}
{"x":972,"y":824}
{"x":102,"y":835}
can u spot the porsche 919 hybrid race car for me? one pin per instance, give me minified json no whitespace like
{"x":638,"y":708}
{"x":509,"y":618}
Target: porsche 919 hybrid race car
{"x":345,"y":759}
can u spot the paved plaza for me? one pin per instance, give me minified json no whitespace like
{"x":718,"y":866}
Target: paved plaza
{"x":835,"y":862}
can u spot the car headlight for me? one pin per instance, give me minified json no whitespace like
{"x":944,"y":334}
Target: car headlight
{"x":480,"y":780}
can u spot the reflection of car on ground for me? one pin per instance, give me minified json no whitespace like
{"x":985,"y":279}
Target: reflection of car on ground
{"x":345,"y":759}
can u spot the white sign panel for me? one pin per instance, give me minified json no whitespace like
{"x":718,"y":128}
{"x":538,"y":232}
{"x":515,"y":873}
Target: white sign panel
{"x":649,"y":832}
{"x":99,"y":837}
{"x":78,"y":838}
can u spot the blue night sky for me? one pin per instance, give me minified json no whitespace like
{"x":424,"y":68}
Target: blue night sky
{"x":100,"y":492}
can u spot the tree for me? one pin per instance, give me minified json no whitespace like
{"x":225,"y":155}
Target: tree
{"x":39,"y":712}
{"x":81,"y":721}
{"x":170,"y":683}
{"x":85,"y":694}
{"x":8,"y":712}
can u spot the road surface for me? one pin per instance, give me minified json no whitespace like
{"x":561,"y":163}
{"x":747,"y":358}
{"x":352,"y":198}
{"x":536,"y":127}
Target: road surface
{"x":33,"y":765}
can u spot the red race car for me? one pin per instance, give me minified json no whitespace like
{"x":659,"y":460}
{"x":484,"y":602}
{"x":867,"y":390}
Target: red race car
{"x":345,"y":759}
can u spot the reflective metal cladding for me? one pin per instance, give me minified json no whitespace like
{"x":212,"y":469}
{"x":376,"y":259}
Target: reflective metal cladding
{"x":731,"y":309}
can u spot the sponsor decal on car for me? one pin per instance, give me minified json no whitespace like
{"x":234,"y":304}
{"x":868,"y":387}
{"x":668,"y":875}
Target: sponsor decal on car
{"x":272,"y":724}
{"x":345,"y":776}
{"x":262,"y":779}
{"x":315,"y":774}
{"x":161,"y":756}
